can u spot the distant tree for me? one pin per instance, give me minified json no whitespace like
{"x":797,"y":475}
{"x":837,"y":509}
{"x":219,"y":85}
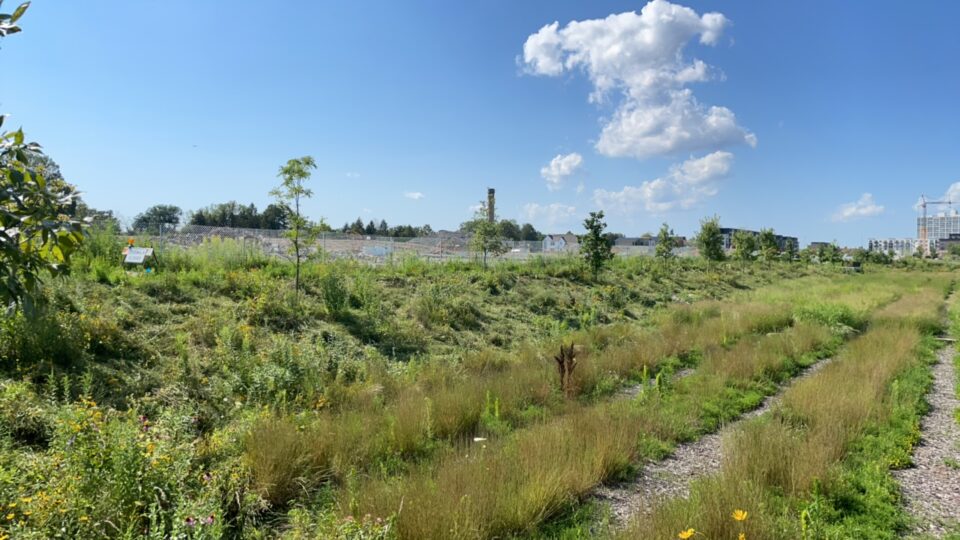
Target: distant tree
{"x":744,"y":244}
{"x":371,"y":228}
{"x":383,"y":229}
{"x":357,"y":227}
{"x":710,"y":240}
{"x":37,"y":236}
{"x":954,"y":251}
{"x":665,"y":243}
{"x":289,"y":193}
{"x":510,"y":229}
{"x":529,"y":233}
{"x":274,"y":217}
{"x":830,"y":253}
{"x":767,"y":244}
{"x":486,"y":237}
{"x":596,"y":248}
{"x":157,"y":217}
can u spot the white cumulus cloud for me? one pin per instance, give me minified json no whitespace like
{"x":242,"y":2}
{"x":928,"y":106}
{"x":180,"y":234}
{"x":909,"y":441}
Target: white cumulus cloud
{"x":641,"y":56}
{"x":865,"y":206}
{"x":560,"y":168}
{"x":683,"y":187}
{"x":550,"y":214}
{"x":415,"y":195}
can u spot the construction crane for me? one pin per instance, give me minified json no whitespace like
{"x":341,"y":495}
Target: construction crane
{"x":924,"y":240}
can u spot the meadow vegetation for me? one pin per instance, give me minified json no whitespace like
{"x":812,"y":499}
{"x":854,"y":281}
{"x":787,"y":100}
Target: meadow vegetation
{"x":410,"y":400}
{"x":819,"y":465}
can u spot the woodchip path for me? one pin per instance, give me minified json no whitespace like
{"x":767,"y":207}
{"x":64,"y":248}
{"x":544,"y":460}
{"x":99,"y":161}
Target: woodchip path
{"x":671,"y":477}
{"x":931,"y":488}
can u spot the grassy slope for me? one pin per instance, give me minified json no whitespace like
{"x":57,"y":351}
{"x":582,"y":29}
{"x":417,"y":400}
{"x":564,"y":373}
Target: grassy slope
{"x":175,"y":368}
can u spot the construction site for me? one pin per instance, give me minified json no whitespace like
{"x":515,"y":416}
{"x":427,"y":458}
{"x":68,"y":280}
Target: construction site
{"x":938,"y":228}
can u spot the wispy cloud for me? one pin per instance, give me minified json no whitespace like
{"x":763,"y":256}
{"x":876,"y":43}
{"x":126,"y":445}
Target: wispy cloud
{"x":415,"y":195}
{"x":861,"y":208}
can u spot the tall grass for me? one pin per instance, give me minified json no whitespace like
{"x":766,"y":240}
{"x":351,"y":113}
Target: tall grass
{"x":796,"y":448}
{"x":497,"y":489}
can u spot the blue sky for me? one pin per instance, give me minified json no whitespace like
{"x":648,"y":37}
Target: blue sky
{"x":192,"y":103}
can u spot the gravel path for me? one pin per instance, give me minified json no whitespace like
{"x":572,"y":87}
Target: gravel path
{"x":931,"y":488}
{"x":671,"y":477}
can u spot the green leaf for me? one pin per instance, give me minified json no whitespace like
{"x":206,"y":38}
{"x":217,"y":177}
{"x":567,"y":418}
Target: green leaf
{"x":19,"y":12}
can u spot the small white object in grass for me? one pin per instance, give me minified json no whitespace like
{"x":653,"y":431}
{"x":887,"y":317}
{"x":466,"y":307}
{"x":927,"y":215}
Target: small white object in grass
{"x":478,"y":439}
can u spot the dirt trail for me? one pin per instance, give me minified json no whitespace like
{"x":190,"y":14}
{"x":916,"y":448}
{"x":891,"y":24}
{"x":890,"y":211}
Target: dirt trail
{"x":931,"y":488}
{"x":671,"y":477}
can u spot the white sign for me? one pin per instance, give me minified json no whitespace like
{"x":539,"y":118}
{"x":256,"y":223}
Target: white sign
{"x":137,"y":255}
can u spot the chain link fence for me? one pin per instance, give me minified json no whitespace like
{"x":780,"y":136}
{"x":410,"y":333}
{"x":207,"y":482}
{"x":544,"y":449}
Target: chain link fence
{"x":444,"y":246}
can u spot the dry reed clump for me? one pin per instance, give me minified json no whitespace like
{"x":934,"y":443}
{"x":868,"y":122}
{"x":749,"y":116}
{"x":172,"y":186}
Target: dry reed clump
{"x":799,"y":444}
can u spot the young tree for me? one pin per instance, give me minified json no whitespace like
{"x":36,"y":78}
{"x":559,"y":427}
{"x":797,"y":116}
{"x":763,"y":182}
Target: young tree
{"x":769,"y":249}
{"x":594,"y":246}
{"x":710,"y":240}
{"x":744,"y":244}
{"x":288,"y":194}
{"x":665,"y":243}
{"x":487,"y":237}
{"x":37,"y":237}
{"x":790,"y":251}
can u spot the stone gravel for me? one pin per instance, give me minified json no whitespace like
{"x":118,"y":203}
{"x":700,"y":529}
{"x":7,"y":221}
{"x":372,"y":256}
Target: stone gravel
{"x":671,"y":477}
{"x":931,"y":488}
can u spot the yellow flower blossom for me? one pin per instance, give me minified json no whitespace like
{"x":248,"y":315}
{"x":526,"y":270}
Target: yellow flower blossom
{"x":741,"y":536}
{"x":10,"y":516}
{"x":84,"y":518}
{"x":27,"y":500}
{"x":739,"y":515}
{"x":686,"y":534}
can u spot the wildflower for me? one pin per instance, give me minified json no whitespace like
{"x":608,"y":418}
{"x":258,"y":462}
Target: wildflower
{"x":208,"y":520}
{"x":27,"y":500}
{"x":686,"y":534}
{"x":190,"y":522}
{"x":12,"y":505}
{"x":27,"y":512}
{"x":10,"y":516}
{"x":84,"y":518}
{"x":739,"y":515}
{"x":4,"y":536}
{"x":741,"y":536}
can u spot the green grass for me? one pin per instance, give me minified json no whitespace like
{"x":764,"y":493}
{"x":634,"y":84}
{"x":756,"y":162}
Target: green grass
{"x":152,"y":402}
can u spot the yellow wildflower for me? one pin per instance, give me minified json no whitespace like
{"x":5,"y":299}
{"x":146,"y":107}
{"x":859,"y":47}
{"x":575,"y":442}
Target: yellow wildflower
{"x":4,"y":536}
{"x":84,"y":518}
{"x":741,"y":536}
{"x":12,"y":505}
{"x":27,"y":500}
{"x":27,"y":512}
{"x":686,"y":534}
{"x":10,"y":516}
{"x":739,"y":515}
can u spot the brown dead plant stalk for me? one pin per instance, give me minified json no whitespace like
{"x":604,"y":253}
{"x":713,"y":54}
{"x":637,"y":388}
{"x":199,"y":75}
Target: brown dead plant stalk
{"x":566,"y":362}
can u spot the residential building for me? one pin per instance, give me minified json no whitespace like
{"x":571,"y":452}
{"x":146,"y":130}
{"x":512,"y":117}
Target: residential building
{"x":939,"y":227}
{"x":561,"y":242}
{"x":901,"y":247}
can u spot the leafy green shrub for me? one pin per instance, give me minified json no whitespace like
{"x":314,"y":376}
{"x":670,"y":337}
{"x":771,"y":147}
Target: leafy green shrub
{"x":23,"y":415}
{"x":278,"y":309}
{"x":333,"y":291}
